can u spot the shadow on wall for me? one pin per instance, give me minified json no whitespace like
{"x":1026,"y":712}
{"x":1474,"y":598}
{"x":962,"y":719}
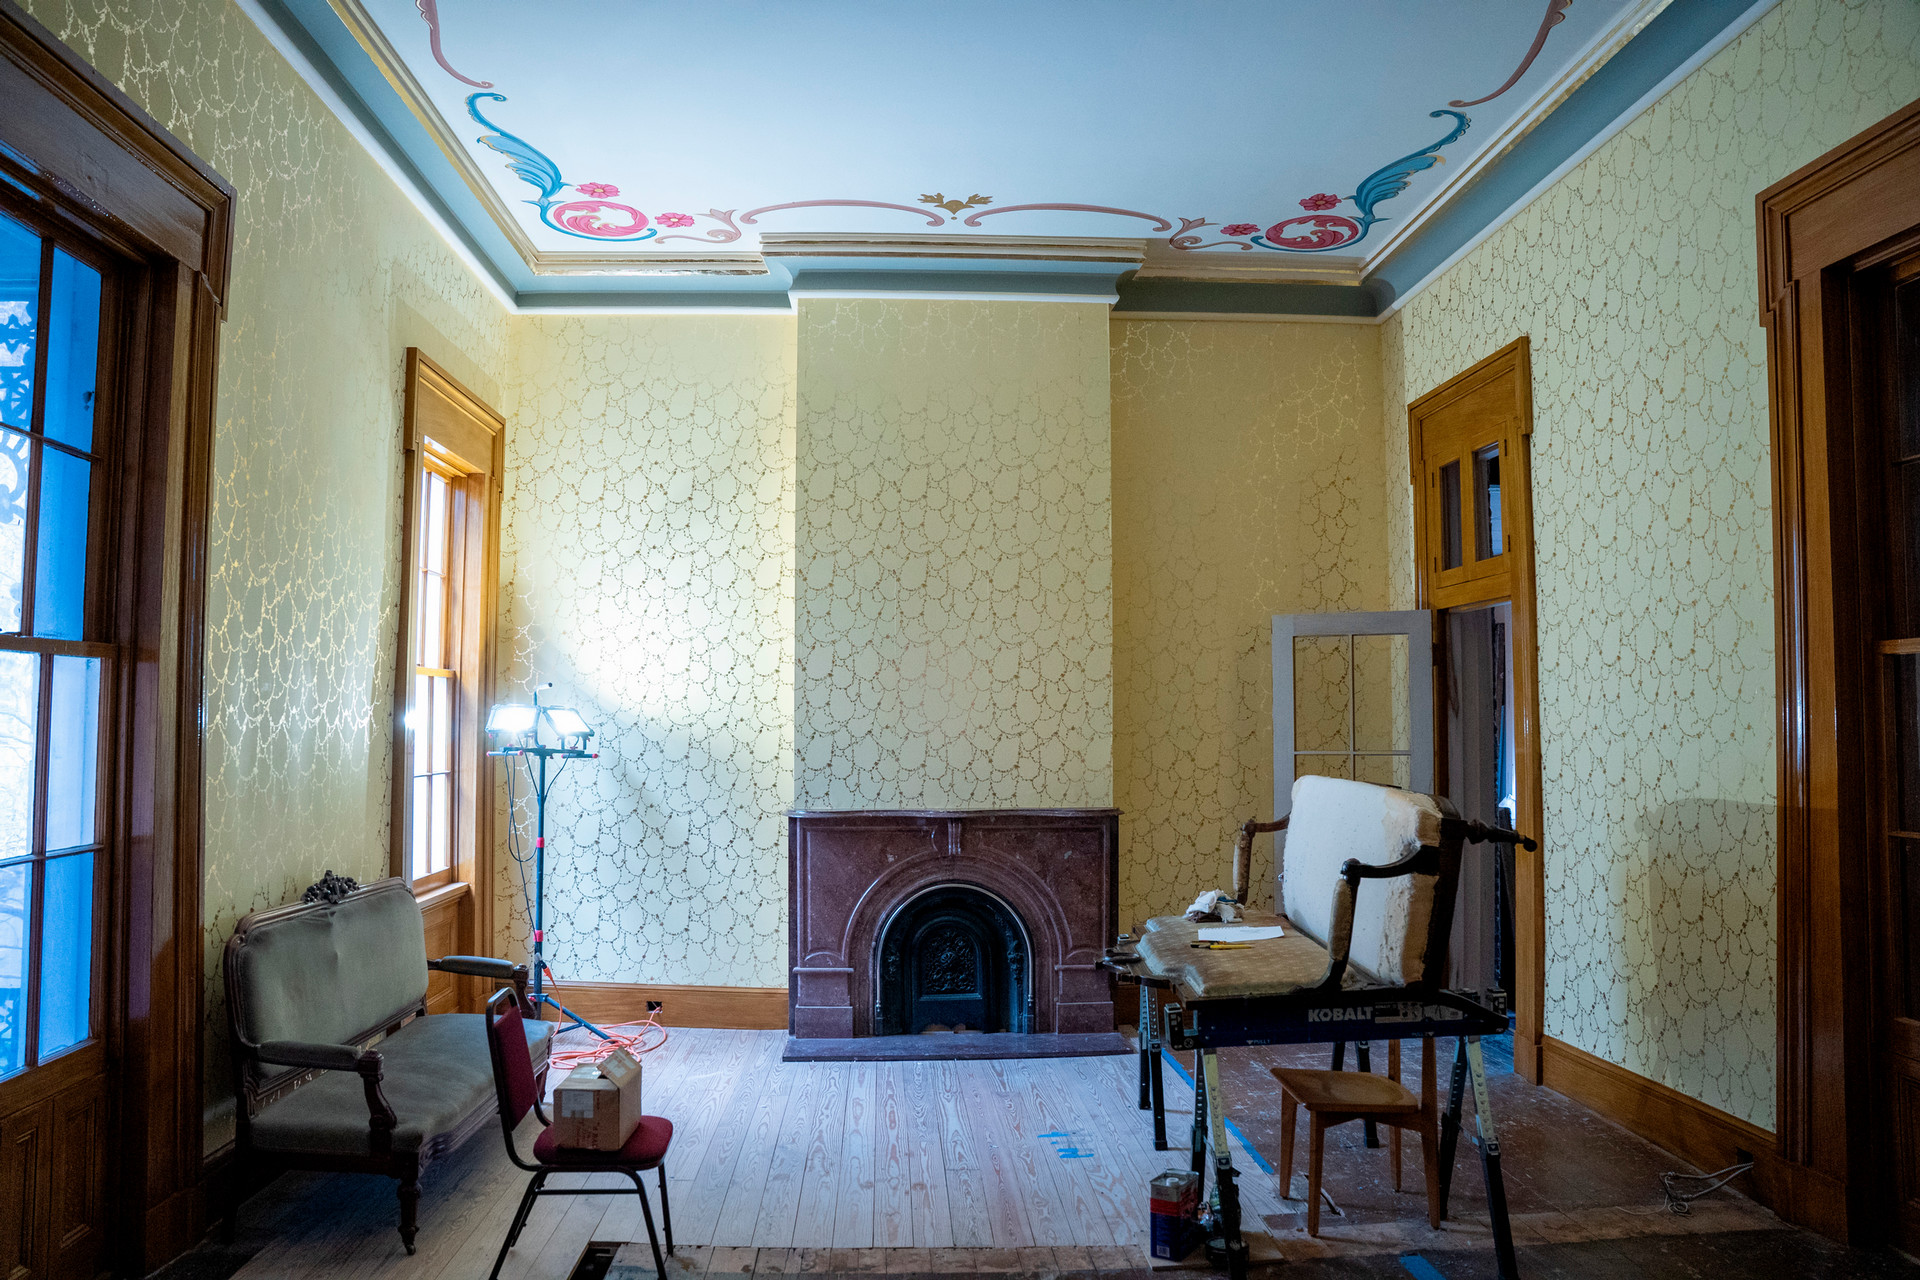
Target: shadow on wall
{"x":1694,"y":952}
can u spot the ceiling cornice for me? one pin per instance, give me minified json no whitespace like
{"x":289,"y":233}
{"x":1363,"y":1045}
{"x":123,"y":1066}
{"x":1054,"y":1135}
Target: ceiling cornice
{"x":337,"y":47}
{"x":1598,"y":53}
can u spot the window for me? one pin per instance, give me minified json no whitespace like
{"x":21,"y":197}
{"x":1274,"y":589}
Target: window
{"x":431,"y":717}
{"x":51,"y":673}
{"x":443,"y":798}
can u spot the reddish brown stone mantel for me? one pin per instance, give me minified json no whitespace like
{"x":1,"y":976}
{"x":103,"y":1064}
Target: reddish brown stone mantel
{"x":847,"y":871}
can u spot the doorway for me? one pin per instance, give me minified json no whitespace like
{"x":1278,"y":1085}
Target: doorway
{"x":1839,"y":261}
{"x":1476,"y":671}
{"x":1473,"y":565}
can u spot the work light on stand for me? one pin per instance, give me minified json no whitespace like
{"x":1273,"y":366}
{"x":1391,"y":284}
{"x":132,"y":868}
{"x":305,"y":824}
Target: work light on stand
{"x":523,"y":731}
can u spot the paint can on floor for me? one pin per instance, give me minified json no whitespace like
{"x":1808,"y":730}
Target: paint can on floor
{"x":1174,"y":1214}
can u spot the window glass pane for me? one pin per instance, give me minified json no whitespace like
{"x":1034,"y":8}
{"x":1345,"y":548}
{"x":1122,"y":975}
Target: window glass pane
{"x":441,"y":756}
{"x":73,"y":752}
{"x":73,"y":352}
{"x":433,"y":617}
{"x":14,"y":884}
{"x":19,"y":721}
{"x":1323,"y":766}
{"x":66,"y":953}
{"x":442,"y":837}
{"x":14,"y":449}
{"x":1382,"y":706}
{"x":60,"y":557}
{"x":1906,"y":692}
{"x":1450,"y":516}
{"x":19,"y":316}
{"x":1487,"y":538}
{"x":1322,"y":692}
{"x":1385,"y":771}
{"x":433,"y":550}
{"x":422,"y":824}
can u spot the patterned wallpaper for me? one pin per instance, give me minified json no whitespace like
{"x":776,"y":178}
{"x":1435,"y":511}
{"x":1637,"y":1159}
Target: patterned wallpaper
{"x":335,"y":274}
{"x":1245,"y":483}
{"x":1634,"y":277}
{"x":647,"y":570}
{"x":954,"y":607}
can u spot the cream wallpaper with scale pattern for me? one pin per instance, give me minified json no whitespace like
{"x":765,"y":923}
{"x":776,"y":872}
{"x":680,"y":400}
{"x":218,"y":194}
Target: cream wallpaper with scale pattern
{"x":954,"y":597}
{"x":1634,"y":277}
{"x":334,"y":275}
{"x":646,"y":568}
{"x":1245,"y":483}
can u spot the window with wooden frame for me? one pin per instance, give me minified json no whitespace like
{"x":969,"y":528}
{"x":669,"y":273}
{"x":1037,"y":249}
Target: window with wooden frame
{"x":443,"y":679}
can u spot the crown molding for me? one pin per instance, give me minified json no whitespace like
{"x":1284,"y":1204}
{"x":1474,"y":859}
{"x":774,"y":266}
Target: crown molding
{"x":808,"y":244}
{"x":642,"y":263}
{"x":387,"y":60}
{"x":1164,"y":262}
{"x":1597,"y":54}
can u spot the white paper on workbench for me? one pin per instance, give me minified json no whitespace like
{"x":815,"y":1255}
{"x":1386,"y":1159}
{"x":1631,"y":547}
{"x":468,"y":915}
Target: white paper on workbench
{"x":1239,"y":932}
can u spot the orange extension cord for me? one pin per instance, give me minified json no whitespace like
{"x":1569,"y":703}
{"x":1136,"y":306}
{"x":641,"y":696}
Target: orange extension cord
{"x":631,"y":1036}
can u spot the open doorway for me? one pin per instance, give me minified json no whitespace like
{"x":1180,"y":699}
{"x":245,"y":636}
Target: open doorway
{"x":1478,"y":776}
{"x":1473,"y":562}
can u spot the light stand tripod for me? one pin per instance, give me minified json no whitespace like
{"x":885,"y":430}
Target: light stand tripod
{"x":526,"y":723}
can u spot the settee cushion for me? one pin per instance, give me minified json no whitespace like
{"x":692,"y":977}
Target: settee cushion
{"x":330,"y":975}
{"x":437,"y":1072}
{"x":1334,"y":820}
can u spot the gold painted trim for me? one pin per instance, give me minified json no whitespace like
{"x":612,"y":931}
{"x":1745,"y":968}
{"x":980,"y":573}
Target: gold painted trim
{"x":1597,"y":54}
{"x":360,"y":24}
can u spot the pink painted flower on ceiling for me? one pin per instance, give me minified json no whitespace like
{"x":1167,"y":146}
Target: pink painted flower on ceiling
{"x":1239,"y":228}
{"x":1325,"y":200}
{"x":675,"y":220}
{"x":597,"y":190}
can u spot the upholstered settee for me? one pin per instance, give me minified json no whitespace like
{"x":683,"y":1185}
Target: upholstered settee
{"x":337,"y":1065}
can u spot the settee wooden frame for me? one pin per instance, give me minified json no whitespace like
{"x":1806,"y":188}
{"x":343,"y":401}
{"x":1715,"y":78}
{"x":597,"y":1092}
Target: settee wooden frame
{"x":266,"y":1072}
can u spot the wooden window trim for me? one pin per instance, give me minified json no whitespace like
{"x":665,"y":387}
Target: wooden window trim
{"x":1512,"y":581}
{"x":451,"y":431}
{"x":86,"y":159}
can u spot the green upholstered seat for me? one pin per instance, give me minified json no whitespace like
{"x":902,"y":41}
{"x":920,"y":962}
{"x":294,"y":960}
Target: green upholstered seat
{"x":332,"y":974}
{"x":437,"y":1075}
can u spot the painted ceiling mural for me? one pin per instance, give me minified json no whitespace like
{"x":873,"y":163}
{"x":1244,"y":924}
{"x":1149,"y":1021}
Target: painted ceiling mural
{"x":1216,"y":127}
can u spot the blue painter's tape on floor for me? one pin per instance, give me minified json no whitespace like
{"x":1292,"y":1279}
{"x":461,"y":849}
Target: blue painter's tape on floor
{"x":1259,"y":1162}
{"x":1420,"y":1268}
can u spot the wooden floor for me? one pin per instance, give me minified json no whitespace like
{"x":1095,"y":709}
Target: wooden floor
{"x":842,"y":1155}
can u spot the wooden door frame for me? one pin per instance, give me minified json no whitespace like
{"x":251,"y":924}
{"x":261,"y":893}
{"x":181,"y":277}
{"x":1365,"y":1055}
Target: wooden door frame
{"x":1516,"y":498}
{"x":1814,"y":227}
{"x":86,"y":157}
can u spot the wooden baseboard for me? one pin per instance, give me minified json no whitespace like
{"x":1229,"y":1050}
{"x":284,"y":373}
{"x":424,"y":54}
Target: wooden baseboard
{"x":1703,"y":1136}
{"x":730,"y":1008}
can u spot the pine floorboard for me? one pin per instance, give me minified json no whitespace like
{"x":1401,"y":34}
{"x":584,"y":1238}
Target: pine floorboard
{"x":798,"y":1161}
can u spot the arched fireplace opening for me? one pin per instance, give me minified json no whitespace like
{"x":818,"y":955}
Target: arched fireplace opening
{"x":954,"y":957}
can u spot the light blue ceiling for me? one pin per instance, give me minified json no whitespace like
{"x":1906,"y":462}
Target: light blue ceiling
{"x":594,"y":153}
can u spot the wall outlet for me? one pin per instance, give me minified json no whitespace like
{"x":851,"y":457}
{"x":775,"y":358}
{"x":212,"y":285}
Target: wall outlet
{"x":653,"y":1006}
{"x":1742,"y":1156}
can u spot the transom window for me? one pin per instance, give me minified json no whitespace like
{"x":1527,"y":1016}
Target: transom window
{"x":51,"y":675}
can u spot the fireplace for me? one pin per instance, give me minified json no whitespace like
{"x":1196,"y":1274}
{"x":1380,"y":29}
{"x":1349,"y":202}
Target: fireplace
{"x":953,"y":958}
{"x":902,"y":922}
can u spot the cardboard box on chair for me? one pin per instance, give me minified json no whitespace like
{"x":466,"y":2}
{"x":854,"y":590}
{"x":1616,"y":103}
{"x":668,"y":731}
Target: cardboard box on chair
{"x":597,"y":1107}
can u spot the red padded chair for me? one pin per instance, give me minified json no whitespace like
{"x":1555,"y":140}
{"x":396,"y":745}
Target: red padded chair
{"x":513,"y":1083}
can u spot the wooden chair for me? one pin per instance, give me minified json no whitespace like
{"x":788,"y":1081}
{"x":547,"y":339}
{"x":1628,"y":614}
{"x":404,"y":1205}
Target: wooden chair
{"x":1336,"y":1097}
{"x":513,"y":1082}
